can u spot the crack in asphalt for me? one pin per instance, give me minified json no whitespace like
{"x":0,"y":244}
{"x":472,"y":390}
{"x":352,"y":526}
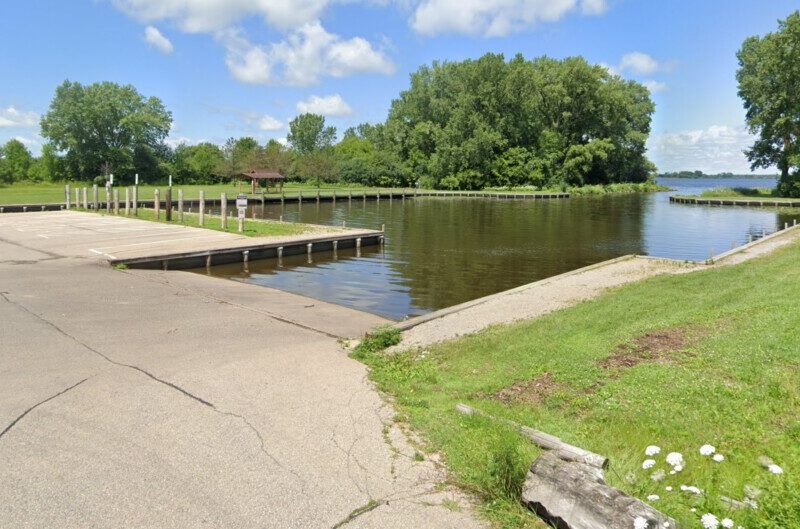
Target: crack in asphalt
{"x":202,"y":401}
{"x":61,"y":331}
{"x":48,"y":399}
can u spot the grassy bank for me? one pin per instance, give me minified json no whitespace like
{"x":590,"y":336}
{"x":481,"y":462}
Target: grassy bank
{"x":51,"y":193}
{"x":644,"y":187}
{"x":675,"y":361}
{"x":252,"y":228}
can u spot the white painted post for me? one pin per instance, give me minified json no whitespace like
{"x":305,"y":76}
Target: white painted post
{"x":170,"y":180}
{"x":280,"y":218}
{"x":383,"y":227}
{"x":344,"y":223}
{"x":68,"y":192}
{"x":223,"y":210}
{"x":201,"y":211}
{"x":785,"y":225}
{"x":127,"y":200}
{"x":157,"y":203}
{"x":116,"y":201}
{"x":180,"y":206}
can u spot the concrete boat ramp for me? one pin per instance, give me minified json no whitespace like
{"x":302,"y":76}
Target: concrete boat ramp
{"x":144,"y":398}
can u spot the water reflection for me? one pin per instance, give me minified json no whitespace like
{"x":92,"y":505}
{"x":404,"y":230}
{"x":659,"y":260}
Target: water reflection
{"x":444,"y":251}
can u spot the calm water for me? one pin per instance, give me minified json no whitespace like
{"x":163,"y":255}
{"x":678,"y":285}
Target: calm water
{"x":443,"y":251}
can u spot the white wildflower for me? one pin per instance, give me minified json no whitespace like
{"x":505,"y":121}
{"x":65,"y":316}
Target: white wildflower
{"x":707,"y":450}
{"x":658,"y":475}
{"x":648,"y":463}
{"x":719,"y":458}
{"x":672,"y":472}
{"x":693,"y":509}
{"x":640,"y":523}
{"x":668,"y":488}
{"x":675,"y":459}
{"x":750,"y":503}
{"x":677,"y":468}
{"x":727,"y":523}
{"x":709,"y":521}
{"x":653,"y":497}
{"x":775,"y":469}
{"x":652,"y":450}
{"x":691,"y":488}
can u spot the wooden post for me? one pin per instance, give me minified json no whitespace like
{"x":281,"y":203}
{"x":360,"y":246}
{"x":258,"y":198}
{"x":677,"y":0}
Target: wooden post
{"x":157,"y":203}
{"x":85,"y":198}
{"x":201,"y":208}
{"x":127,"y":201}
{"x":95,"y":201}
{"x":77,"y":197}
{"x":168,"y":205}
{"x":223,"y":210}
{"x":68,"y":193}
{"x":180,"y":206}
{"x":108,"y":198}
{"x":116,"y":201}
{"x":334,"y":196}
{"x":135,"y":201}
{"x":349,"y":195}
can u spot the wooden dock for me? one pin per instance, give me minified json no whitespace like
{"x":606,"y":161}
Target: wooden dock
{"x":735,"y":202}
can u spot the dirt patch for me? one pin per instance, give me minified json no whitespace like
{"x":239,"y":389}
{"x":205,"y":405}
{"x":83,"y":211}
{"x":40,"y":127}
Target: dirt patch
{"x":529,"y":391}
{"x":656,"y":346}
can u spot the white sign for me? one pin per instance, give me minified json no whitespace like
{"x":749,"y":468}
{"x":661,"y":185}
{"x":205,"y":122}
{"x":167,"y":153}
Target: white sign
{"x":241,"y":213}
{"x":112,"y":179}
{"x":241,"y":201}
{"x":137,"y":179}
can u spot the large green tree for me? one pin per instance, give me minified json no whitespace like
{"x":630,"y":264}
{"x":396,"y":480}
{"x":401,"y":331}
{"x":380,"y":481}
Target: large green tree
{"x":15,"y":161}
{"x":106,"y":125}
{"x":769,"y":85}
{"x":308,"y":133}
{"x":489,"y":121}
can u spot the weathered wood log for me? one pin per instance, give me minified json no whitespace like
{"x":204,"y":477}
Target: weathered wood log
{"x":570,"y":495}
{"x":563,"y":450}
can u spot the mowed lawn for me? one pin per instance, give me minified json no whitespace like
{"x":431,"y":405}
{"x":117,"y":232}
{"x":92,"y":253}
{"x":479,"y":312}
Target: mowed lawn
{"x":677,"y":361}
{"x":52,"y":193}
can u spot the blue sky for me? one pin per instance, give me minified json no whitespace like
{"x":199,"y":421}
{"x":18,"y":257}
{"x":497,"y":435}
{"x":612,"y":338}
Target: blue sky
{"x":246,"y":67}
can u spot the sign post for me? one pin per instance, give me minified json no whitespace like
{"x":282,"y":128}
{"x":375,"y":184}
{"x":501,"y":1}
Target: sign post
{"x":241,"y":206}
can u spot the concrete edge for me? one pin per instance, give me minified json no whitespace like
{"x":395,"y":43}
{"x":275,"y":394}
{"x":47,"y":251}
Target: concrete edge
{"x":745,"y":247}
{"x":692,"y":200}
{"x":369,"y":237}
{"x":413,"y":322}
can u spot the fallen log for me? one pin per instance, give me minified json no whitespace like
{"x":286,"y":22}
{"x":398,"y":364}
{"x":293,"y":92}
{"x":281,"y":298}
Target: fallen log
{"x":563,"y":450}
{"x":571,"y":495}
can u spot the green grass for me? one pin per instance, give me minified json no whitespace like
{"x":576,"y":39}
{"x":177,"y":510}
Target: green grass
{"x":252,"y":227}
{"x":741,"y":193}
{"x":51,"y":193}
{"x":734,"y":385}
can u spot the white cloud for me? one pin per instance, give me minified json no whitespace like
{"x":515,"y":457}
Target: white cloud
{"x":332,"y":105}
{"x":153,"y":37}
{"x":207,"y":16}
{"x":639,"y":63}
{"x":13,"y":118}
{"x":715,"y":149}
{"x":655,"y":86}
{"x":494,"y":18}
{"x":269,"y":123}
{"x":174,"y":141}
{"x":302,"y":58}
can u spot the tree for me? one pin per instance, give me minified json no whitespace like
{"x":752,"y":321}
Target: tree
{"x":489,"y":121}
{"x":238,"y":155}
{"x":308,"y":133}
{"x":769,"y":85}
{"x":106,"y":123}
{"x":15,"y":161}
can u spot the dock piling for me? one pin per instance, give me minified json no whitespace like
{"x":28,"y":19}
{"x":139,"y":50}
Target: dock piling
{"x":135,"y":201}
{"x":157,"y":203}
{"x":68,"y":194}
{"x":201,"y":208}
{"x":116,"y":201}
{"x":180,"y":206}
{"x":127,"y":201}
{"x":223,"y":210}
{"x":85,"y":193}
{"x":95,"y":200}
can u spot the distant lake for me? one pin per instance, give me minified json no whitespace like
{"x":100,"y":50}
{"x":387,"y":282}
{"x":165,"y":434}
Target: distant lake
{"x":444,"y":251}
